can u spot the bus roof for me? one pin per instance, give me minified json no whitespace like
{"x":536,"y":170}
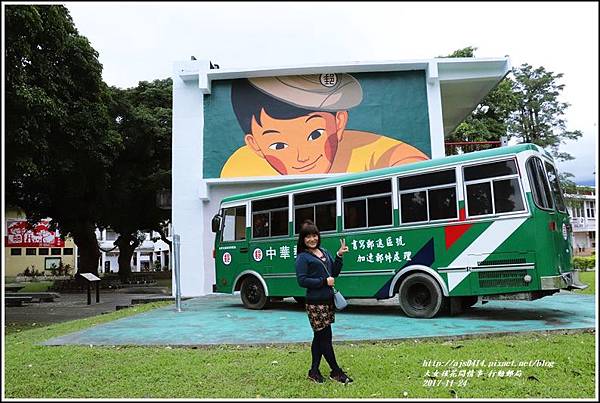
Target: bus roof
{"x":494,"y":152}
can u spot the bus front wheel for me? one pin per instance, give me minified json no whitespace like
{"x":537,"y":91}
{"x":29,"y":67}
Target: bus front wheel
{"x":253,"y":293}
{"x":420,"y":296}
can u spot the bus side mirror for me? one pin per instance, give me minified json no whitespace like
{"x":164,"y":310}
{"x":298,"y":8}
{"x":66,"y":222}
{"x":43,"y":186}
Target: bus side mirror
{"x":216,"y":223}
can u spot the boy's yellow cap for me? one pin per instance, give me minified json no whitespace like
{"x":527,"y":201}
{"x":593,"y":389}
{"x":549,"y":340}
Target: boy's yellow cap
{"x":327,"y":92}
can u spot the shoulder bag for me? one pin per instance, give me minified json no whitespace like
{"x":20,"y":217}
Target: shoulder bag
{"x":338,"y":299}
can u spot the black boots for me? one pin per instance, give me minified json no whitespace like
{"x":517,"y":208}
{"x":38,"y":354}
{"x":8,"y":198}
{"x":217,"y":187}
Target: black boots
{"x":316,"y":376}
{"x":340,"y":376}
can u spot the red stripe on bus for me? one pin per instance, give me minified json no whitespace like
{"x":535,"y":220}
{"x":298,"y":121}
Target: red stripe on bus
{"x":454,"y":232}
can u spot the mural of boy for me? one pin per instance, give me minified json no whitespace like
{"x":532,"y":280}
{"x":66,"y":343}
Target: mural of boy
{"x":297,"y":125}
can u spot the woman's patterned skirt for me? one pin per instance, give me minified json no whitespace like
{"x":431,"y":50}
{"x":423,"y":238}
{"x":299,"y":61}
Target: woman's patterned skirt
{"x":320,"y":315}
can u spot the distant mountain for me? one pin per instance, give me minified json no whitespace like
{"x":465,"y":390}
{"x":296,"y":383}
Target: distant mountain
{"x":589,"y":182}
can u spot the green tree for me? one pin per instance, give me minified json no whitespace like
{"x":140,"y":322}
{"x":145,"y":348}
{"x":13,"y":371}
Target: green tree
{"x":569,"y":187}
{"x":142,"y":116}
{"x":488,"y":122}
{"x":539,"y":115}
{"x":59,"y":142}
{"x":469,"y":51}
{"x":524,"y":105}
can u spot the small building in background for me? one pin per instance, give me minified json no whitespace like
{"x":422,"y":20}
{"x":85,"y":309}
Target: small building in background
{"x":41,"y":250}
{"x":38,"y":249}
{"x":151,"y":255}
{"x":582,"y":209}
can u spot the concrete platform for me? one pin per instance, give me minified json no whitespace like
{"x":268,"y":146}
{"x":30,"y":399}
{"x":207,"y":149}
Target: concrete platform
{"x":221,"y":319}
{"x":69,"y":306}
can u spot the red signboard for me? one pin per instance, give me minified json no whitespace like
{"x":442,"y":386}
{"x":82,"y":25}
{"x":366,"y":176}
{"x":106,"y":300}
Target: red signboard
{"x":18,"y":234}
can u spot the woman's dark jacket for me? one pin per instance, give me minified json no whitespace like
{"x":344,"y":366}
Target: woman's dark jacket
{"x":311,"y":275}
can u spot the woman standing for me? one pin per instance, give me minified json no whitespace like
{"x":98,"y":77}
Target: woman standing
{"x":316,"y":271}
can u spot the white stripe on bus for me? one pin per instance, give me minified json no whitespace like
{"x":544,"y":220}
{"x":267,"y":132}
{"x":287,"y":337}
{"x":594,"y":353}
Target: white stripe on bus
{"x":489,"y":240}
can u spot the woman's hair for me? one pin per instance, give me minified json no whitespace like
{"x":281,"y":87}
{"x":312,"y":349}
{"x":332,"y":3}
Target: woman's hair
{"x":307,"y":228}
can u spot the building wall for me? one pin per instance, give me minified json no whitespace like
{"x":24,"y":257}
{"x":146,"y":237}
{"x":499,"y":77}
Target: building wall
{"x":401,"y":103}
{"x":187,"y":212}
{"x":109,"y":262}
{"x":16,"y":264}
{"x":397,"y":105}
{"x":582,"y":210}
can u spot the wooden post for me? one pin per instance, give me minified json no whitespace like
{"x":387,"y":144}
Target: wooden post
{"x":97,"y":291}
{"x":89,"y":294}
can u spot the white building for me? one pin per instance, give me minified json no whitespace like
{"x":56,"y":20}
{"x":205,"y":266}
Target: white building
{"x":153,"y":251}
{"x":412,"y":102}
{"x":582,"y":209}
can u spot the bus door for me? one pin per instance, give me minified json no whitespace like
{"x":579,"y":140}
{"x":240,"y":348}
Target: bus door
{"x":561,"y":227}
{"x":231,"y":254}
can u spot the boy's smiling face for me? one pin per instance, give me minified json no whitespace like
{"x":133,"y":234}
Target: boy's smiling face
{"x":303,"y":145}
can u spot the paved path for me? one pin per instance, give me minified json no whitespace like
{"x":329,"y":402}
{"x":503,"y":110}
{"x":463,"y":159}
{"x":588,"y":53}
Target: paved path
{"x":221,"y":319}
{"x":69,"y":307}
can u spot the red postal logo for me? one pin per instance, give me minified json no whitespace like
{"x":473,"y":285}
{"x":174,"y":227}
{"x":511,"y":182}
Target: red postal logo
{"x":226,"y":258}
{"x":257,"y":254}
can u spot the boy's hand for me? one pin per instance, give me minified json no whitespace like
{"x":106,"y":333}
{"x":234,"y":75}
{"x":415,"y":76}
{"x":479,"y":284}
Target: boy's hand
{"x":330,"y":281}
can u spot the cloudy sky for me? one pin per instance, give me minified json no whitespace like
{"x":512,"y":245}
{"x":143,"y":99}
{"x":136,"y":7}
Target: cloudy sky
{"x":140,"y":41}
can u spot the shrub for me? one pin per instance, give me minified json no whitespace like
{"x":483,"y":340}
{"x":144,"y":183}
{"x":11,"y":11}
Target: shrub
{"x":592,"y":260}
{"x":59,"y":270}
{"x":584,"y":263}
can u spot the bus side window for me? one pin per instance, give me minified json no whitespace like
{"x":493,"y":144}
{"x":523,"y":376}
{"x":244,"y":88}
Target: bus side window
{"x":367,"y":204}
{"x":317,"y":206}
{"x":507,"y":196}
{"x":428,"y":197}
{"x":270,"y":217}
{"x":234,"y":226}
{"x":260,"y":225}
{"x":493,"y":188}
{"x":479,"y":199}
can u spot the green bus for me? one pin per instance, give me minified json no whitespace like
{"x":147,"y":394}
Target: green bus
{"x":441,"y":234}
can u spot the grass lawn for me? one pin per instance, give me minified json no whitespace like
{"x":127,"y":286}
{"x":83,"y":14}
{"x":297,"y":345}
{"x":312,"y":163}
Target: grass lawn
{"x":589,"y":278}
{"x":37,"y":286}
{"x":30,"y":286}
{"x":380,"y":369}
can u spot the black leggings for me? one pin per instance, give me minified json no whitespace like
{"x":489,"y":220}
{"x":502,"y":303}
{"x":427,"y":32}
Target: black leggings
{"x":322,"y":346}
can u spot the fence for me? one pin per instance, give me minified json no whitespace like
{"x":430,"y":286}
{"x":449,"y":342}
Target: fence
{"x":461,"y":147}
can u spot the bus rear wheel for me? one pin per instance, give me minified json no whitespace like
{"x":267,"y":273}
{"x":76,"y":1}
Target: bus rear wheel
{"x":468,"y":302}
{"x":420,"y":296}
{"x":253,"y":293}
